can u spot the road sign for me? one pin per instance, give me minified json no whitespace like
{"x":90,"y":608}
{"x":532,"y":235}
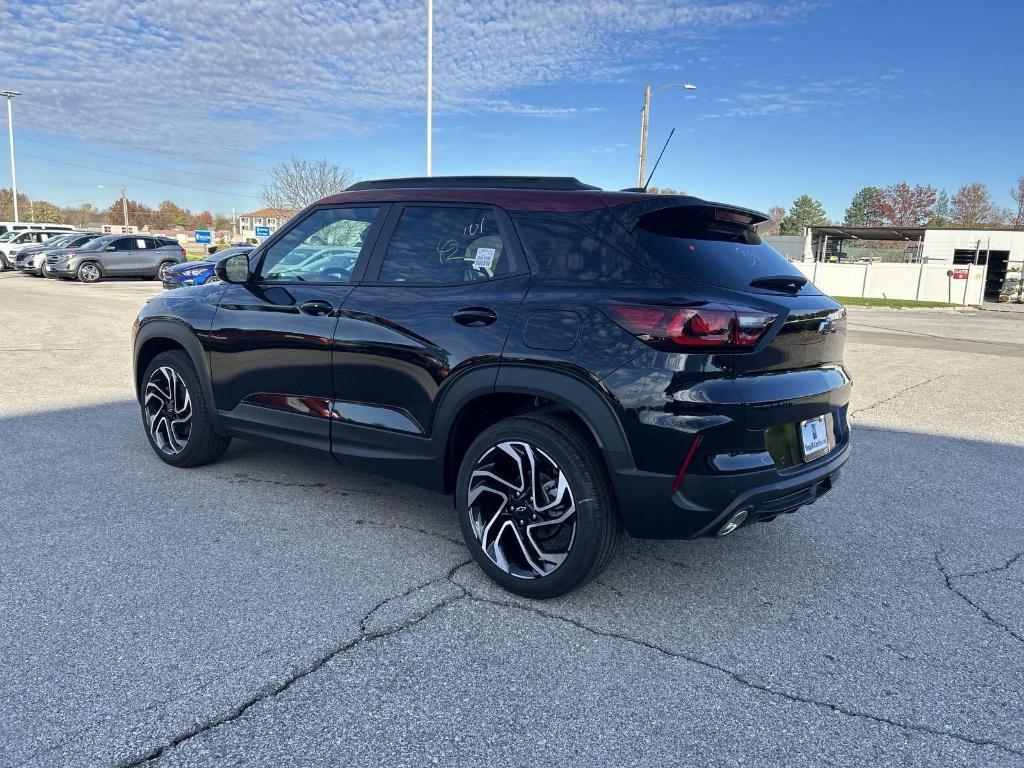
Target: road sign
{"x":262,"y":231}
{"x":204,"y":237}
{"x":960,"y":274}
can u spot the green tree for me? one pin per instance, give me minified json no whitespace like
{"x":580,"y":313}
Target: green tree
{"x":43,"y":210}
{"x":942,"y":213}
{"x":863,"y":208}
{"x":804,"y":212}
{"x":7,"y":206}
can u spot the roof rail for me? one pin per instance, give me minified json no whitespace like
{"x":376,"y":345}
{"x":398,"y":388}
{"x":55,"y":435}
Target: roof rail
{"x":552,"y":183}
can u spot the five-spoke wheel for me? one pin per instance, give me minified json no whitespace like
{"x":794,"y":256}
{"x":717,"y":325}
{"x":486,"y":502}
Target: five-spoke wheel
{"x":89,"y":272}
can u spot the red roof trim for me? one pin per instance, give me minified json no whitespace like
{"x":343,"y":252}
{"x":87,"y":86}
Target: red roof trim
{"x":510,"y":199}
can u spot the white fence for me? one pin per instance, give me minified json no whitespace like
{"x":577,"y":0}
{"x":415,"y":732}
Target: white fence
{"x":919,"y":282}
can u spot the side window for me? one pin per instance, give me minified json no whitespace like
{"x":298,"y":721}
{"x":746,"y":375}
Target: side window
{"x":566,"y":252}
{"x":124,"y":244}
{"x":444,"y":245}
{"x":322,"y":248}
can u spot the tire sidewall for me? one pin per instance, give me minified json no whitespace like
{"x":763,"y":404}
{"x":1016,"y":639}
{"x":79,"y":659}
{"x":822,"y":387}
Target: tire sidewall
{"x":592,"y":511}
{"x":99,"y":275}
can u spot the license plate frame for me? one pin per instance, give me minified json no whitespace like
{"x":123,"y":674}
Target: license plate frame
{"x":814,"y":438}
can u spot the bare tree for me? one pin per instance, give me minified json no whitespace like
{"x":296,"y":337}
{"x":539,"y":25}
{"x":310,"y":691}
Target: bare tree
{"x":771,"y":227}
{"x":294,"y":184}
{"x":1017,"y":193}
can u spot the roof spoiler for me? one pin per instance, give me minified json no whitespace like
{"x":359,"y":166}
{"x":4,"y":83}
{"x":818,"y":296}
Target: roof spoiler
{"x":631,"y":213}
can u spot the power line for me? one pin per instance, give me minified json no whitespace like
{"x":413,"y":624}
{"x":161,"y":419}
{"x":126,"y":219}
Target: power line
{"x":119,"y":175}
{"x":149,"y":150}
{"x":126,"y":160}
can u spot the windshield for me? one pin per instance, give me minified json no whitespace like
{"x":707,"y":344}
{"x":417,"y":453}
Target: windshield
{"x":59,"y":240}
{"x":696,"y":243}
{"x":6,"y":237}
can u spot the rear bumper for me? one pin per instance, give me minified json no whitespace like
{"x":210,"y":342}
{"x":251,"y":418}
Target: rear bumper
{"x":703,"y":503}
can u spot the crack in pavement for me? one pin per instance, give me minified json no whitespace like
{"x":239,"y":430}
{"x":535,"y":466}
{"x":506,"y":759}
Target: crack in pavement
{"x":895,"y":395}
{"x":949,"y":577}
{"x":753,"y":684}
{"x":242,"y":478}
{"x":269,"y":692}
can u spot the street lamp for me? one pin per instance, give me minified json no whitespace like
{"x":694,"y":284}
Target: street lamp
{"x":645,"y":118}
{"x":10,"y":137}
{"x":430,"y":82}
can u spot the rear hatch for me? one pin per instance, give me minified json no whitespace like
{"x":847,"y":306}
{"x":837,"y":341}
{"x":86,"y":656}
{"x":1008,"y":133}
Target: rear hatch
{"x":715,"y":251}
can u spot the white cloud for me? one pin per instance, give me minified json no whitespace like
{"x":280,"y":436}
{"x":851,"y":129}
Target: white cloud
{"x":177,"y":72}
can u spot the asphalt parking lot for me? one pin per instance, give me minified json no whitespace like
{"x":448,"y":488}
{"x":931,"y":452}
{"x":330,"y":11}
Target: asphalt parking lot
{"x":273,"y":609}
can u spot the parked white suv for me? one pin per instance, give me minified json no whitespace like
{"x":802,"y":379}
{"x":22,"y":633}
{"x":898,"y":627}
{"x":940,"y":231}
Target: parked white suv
{"x":11,"y":242}
{"x":8,"y":226}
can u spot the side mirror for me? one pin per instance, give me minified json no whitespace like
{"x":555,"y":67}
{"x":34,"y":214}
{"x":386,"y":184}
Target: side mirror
{"x":233,"y":269}
{"x":110,"y":248}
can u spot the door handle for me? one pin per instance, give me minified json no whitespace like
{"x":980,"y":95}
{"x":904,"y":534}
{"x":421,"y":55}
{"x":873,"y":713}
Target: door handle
{"x":474,"y":316}
{"x":316,"y":307}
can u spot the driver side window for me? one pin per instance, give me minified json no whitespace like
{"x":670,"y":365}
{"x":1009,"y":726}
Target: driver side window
{"x":322,"y":248}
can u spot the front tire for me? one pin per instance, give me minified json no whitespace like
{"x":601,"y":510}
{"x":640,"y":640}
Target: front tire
{"x":161,"y":271}
{"x":176,"y":415}
{"x":536,"y":506}
{"x":89,"y":272}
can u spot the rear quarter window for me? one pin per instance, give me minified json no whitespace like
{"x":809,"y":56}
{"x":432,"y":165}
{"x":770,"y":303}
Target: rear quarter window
{"x":566,"y":252}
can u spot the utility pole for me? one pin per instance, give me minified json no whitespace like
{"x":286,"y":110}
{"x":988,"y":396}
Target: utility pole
{"x":124,"y":208}
{"x":233,"y":223}
{"x":430,"y":82}
{"x":645,"y":120}
{"x":10,"y":138}
{"x":645,"y":115}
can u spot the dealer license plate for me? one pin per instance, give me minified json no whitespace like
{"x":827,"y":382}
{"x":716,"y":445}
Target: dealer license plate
{"x":814,"y":438}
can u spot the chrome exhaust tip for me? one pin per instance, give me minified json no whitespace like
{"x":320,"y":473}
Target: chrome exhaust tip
{"x":732,"y":523}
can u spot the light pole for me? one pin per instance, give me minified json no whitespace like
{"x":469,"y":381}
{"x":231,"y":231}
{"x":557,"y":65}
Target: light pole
{"x":10,"y":138}
{"x":124,"y":208}
{"x":645,"y":119}
{"x":430,"y":80}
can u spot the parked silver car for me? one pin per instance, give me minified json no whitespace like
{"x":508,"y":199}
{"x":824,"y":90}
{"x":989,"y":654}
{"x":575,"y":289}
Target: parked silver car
{"x":13,"y":241}
{"x":30,"y":260}
{"x":115,"y":256}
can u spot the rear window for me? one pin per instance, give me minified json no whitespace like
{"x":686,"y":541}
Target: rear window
{"x":695,"y":244}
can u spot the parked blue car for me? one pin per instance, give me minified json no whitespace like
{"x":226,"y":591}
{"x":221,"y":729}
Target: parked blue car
{"x":198,"y":272}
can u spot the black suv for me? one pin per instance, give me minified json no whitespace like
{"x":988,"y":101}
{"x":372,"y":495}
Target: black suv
{"x":566,"y":361}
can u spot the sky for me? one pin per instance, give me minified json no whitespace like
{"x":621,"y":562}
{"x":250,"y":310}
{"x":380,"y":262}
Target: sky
{"x":195,"y":101}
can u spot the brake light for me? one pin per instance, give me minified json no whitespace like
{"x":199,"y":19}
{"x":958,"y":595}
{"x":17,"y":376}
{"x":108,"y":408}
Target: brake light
{"x":712,"y":326}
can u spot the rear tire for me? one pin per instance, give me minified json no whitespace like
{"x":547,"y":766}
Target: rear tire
{"x":89,"y":272}
{"x":551,"y":477}
{"x":160,"y":270}
{"x":176,"y":415}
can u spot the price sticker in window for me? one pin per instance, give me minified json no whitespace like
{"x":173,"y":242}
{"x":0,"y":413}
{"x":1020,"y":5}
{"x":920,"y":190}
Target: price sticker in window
{"x":484,"y":258}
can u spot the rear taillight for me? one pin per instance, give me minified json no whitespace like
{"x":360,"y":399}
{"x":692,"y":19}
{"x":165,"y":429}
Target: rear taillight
{"x":712,"y":326}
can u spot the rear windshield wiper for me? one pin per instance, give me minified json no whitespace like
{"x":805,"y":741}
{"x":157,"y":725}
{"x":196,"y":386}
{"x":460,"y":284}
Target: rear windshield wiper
{"x":791,"y":283}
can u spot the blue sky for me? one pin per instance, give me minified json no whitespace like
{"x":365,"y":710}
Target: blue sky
{"x":794,"y":97}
